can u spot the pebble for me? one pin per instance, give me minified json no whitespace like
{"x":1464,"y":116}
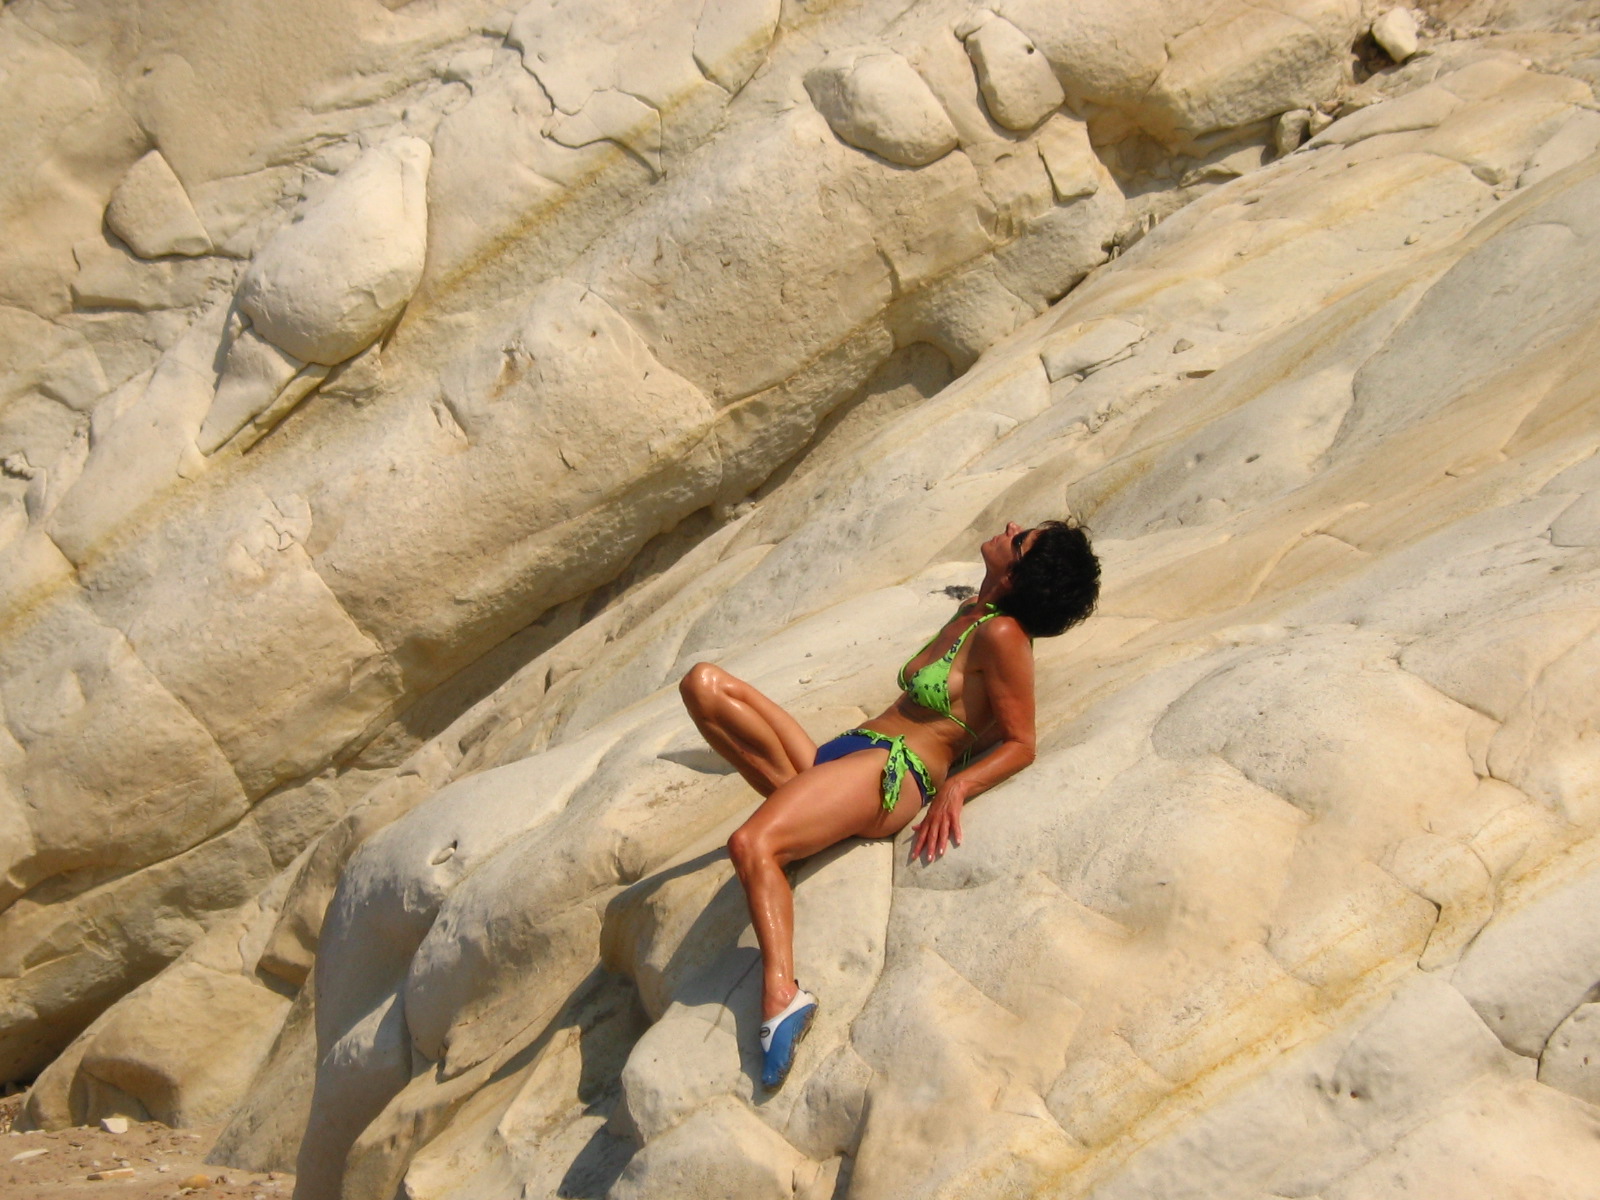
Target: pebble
{"x":195,"y":1181}
{"x":114,"y":1124}
{"x":26,"y":1154}
{"x":113,"y":1173}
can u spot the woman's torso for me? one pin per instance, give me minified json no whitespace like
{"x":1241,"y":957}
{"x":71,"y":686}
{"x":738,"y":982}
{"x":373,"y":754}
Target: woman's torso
{"x":939,"y":739}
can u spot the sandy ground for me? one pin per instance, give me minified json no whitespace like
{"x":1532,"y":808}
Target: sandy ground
{"x":166,"y":1163}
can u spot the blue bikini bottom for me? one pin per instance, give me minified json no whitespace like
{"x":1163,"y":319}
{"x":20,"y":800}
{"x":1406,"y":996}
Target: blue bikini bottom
{"x":903,"y":761}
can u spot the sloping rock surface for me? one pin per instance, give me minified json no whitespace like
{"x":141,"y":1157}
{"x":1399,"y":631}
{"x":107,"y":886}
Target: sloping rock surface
{"x":1296,"y":852}
{"x":1293,"y":900}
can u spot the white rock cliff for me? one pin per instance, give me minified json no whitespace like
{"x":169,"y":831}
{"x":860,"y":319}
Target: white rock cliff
{"x":391,"y":415}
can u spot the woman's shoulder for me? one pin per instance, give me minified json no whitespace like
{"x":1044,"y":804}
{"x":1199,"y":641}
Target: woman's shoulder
{"x":1002,"y":632}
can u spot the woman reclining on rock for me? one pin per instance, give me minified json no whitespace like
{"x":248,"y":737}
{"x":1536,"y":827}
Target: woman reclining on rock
{"x":969,"y":690}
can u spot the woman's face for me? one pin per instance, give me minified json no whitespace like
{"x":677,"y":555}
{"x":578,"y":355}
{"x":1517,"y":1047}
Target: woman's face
{"x":1004,"y":549}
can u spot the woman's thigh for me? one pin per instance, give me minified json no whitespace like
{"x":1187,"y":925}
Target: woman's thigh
{"x":739,"y":711}
{"x":828,"y":803}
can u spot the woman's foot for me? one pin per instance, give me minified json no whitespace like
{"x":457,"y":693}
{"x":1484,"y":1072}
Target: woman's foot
{"x":781,"y":1036}
{"x":777,"y":995}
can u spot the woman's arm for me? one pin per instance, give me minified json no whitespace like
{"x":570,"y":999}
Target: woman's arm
{"x":1002,"y":656}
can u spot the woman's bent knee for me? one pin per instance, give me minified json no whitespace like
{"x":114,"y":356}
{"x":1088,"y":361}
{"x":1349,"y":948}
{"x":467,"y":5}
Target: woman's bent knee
{"x":700,"y":682}
{"x":747,"y":846}
{"x":741,"y":847}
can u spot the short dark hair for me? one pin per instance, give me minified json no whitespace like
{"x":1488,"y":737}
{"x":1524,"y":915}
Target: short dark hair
{"x":1056,"y":583}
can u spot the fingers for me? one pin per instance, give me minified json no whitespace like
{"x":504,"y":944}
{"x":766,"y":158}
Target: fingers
{"x":919,"y":843}
{"x":940,"y":831}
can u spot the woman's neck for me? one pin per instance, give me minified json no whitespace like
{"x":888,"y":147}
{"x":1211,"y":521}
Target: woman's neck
{"x":992,"y":588}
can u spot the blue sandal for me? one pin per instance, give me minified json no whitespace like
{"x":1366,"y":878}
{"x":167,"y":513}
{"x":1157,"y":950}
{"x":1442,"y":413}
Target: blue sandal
{"x":781,"y":1037}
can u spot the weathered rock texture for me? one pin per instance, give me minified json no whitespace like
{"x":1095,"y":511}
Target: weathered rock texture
{"x":344,"y":785}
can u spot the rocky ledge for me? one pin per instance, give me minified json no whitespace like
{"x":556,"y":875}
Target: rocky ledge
{"x":422,"y":899}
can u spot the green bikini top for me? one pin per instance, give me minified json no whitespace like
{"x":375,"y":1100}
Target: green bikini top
{"x":930,"y":686}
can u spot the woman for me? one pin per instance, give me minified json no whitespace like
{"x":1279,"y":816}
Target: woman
{"x":969,"y":690}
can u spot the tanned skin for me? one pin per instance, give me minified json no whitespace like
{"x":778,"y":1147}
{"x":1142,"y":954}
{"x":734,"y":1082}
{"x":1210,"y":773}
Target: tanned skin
{"x":809,"y":808}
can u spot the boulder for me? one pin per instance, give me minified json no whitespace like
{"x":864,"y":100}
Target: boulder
{"x":1396,"y":32}
{"x":1017,"y":81}
{"x":186,"y":1053}
{"x":874,"y":100}
{"x":1290,"y":130}
{"x":327,"y":285}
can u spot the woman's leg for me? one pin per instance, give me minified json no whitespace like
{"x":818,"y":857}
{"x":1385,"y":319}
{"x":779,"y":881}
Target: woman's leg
{"x":762,"y":742}
{"x":813,"y":811}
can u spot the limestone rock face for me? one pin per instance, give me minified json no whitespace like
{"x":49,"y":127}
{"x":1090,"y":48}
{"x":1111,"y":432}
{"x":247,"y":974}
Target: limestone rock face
{"x":347,"y":572}
{"x":1572,"y":1055}
{"x":1181,"y":71}
{"x":1290,"y":687}
{"x":253,"y":374}
{"x":325,"y":286}
{"x":731,"y":39}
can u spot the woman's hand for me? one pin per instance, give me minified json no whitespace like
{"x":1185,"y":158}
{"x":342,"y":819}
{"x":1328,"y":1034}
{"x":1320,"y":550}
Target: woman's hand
{"x":1003,"y":655}
{"x":941,"y":827}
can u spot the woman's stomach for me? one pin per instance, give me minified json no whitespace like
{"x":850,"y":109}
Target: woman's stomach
{"x":935,"y":739}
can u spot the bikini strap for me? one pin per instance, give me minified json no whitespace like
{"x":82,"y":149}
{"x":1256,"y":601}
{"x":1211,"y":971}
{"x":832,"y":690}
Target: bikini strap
{"x":955,"y":647}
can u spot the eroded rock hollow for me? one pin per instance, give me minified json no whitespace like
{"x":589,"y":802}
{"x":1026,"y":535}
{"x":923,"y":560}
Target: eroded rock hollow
{"x":397,"y":398}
